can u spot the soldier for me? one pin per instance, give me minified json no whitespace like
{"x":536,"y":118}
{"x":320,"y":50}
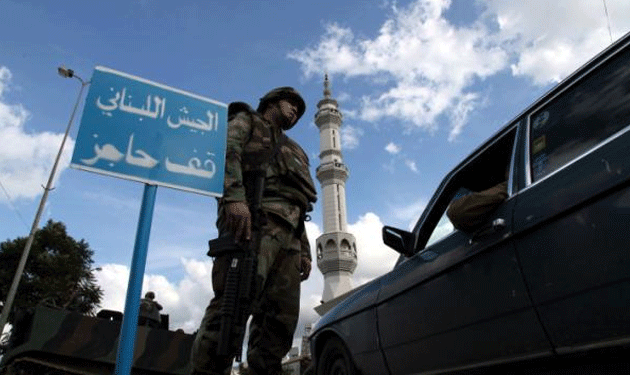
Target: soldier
{"x":255,"y":141}
{"x":149,"y":311}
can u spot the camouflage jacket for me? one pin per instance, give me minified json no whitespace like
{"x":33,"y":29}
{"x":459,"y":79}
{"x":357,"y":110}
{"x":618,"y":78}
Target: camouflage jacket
{"x":289,"y":189}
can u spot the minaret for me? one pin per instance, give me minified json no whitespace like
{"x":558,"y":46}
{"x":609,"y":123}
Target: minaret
{"x":336,"y":248}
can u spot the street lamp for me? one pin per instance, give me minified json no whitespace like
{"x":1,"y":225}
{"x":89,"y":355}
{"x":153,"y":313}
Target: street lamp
{"x":66,"y":73}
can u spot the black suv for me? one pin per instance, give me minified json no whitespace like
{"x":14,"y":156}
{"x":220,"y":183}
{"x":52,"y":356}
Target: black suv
{"x":543,"y":283}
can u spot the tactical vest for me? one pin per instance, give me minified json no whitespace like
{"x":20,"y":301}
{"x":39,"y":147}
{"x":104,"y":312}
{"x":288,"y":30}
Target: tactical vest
{"x":286,"y":164}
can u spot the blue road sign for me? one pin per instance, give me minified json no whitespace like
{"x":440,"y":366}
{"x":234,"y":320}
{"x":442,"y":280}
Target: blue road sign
{"x":144,"y":131}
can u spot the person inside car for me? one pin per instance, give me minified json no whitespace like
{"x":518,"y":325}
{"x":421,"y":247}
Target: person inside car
{"x":469,"y":212}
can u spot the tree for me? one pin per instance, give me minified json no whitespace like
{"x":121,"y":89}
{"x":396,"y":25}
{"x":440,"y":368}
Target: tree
{"x":58,"y":271}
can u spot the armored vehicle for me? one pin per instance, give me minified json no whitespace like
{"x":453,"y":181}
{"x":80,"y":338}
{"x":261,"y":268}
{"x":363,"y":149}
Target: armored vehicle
{"x":54,"y":341}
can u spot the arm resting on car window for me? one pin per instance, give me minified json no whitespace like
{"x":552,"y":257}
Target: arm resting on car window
{"x":470,"y":211}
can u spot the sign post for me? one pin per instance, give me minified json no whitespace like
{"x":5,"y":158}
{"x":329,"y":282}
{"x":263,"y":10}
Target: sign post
{"x":144,"y":131}
{"x":124,"y":357}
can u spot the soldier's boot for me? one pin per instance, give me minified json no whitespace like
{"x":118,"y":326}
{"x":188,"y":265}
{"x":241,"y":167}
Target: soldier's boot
{"x":205,"y":362}
{"x":264,"y":364}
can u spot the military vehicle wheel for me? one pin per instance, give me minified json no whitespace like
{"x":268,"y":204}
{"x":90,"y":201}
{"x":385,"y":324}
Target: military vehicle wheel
{"x":335,"y":360}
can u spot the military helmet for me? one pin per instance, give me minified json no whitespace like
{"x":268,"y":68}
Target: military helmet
{"x":279,"y":93}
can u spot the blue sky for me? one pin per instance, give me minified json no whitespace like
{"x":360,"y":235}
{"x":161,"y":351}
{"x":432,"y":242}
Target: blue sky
{"x":420,"y":83}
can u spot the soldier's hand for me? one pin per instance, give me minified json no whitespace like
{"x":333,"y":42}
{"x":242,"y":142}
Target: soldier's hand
{"x":305,"y":268}
{"x":239,"y":220}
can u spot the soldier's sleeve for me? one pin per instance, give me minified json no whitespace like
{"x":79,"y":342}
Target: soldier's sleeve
{"x":305,"y":246}
{"x":470,"y":211}
{"x":238,"y":132}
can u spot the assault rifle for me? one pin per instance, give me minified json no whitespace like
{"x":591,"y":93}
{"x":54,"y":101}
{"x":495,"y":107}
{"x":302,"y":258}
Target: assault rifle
{"x":240,"y":285}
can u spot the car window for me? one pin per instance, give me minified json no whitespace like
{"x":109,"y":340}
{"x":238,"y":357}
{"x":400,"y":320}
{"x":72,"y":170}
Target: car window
{"x":599,"y":106}
{"x":442,"y":229}
{"x":444,"y":226}
{"x":488,"y":169}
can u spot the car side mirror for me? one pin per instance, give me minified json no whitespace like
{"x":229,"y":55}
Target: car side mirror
{"x":399,"y":240}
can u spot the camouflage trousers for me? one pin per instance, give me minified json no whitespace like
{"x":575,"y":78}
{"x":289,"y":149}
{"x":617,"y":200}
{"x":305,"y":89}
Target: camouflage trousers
{"x":274,"y":313}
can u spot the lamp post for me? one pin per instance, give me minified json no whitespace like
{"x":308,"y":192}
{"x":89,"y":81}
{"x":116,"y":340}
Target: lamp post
{"x":66,"y":73}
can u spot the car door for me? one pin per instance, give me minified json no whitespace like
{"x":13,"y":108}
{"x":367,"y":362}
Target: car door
{"x":572,"y":220}
{"x":461,"y":301}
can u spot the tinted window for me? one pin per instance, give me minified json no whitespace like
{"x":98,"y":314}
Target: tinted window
{"x":581,"y":117}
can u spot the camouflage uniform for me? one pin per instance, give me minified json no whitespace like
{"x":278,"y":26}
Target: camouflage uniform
{"x":289,"y":193}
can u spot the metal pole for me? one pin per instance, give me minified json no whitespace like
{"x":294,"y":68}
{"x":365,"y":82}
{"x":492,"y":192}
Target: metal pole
{"x":18,"y":273}
{"x":124,"y":357}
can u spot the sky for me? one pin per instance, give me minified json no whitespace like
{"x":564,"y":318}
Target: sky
{"x":420,"y":84}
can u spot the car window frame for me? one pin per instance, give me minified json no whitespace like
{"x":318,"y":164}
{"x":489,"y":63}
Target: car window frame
{"x":421,"y":244}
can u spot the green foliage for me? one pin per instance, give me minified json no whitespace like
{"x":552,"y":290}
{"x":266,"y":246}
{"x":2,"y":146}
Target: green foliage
{"x":58,"y":271}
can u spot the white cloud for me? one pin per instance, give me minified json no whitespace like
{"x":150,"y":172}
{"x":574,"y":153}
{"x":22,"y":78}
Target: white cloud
{"x":395,"y":150}
{"x":26,"y":159}
{"x":424,"y":67}
{"x":343,"y":97}
{"x":411,"y":165}
{"x":184,"y":302}
{"x":409,"y":212}
{"x":113,"y":279}
{"x":392,"y":148}
{"x":428,"y":62}
{"x":350,"y":136}
{"x":547,"y":50}
{"x":350,"y":113}
{"x":374,"y":258}
{"x":5,"y":78}
{"x":336,"y":51}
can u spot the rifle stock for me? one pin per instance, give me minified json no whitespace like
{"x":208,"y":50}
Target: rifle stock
{"x":240,"y":285}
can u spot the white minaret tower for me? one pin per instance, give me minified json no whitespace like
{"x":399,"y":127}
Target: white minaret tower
{"x":336,"y":248}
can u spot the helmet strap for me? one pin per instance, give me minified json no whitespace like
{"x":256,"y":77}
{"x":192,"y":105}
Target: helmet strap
{"x":273,"y":114}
